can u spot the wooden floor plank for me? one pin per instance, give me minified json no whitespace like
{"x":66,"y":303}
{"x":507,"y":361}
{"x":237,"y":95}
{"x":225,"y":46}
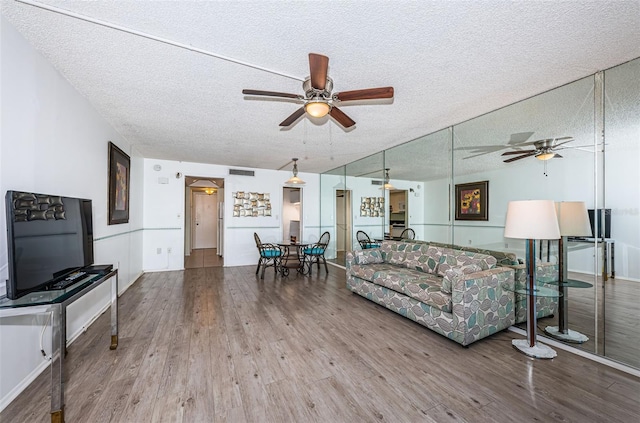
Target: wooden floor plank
{"x":222,"y":345}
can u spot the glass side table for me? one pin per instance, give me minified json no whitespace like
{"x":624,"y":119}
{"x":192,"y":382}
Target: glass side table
{"x":56,"y":302}
{"x":562,"y":332}
{"x":529,"y":346}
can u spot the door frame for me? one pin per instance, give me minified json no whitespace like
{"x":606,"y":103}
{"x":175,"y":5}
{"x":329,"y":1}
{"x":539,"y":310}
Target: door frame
{"x":300,"y":210}
{"x":348,"y":215}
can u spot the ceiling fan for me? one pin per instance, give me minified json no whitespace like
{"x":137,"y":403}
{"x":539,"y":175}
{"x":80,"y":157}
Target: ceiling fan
{"x":543,"y":149}
{"x":318,"y":98}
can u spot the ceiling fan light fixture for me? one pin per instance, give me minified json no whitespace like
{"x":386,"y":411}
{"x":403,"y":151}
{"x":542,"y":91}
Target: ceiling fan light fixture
{"x":545,"y":155}
{"x":317,"y":108}
{"x":294,"y":180}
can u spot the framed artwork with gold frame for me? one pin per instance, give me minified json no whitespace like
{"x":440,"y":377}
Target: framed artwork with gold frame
{"x":472,"y":201}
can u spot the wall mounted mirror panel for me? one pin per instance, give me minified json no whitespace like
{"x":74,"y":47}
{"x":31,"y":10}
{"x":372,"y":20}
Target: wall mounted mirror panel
{"x":421,"y":172}
{"x":334,"y":210}
{"x":365,"y":179}
{"x":541,"y":148}
{"x":620,"y":291}
{"x":454,"y":187}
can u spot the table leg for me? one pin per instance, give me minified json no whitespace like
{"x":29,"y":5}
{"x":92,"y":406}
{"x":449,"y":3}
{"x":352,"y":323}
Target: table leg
{"x":57,"y":363}
{"x":605,"y":261}
{"x":613,"y":260}
{"x":114,"y":313}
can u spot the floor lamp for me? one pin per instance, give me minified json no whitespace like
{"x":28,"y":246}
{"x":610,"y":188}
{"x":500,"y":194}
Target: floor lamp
{"x":573,"y":220}
{"x":532,"y":220}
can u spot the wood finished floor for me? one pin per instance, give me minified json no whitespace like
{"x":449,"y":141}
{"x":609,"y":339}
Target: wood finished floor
{"x":203,"y":257}
{"x":616,"y":332}
{"x":221,"y":345}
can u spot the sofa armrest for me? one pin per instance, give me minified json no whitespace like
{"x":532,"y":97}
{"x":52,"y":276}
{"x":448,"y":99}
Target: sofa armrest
{"x":483,"y":302}
{"x":350,"y":260}
{"x":545,"y":273}
{"x":362,"y":257}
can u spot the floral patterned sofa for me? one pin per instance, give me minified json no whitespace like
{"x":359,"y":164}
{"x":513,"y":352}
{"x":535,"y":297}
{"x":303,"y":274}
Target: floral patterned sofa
{"x":459,"y":294}
{"x":545,"y":272}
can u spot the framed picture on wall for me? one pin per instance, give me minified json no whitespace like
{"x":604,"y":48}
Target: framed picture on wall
{"x":119,"y":178}
{"x":472,"y":201}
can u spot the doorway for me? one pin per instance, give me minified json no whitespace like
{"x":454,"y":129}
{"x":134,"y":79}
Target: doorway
{"x":343,"y":225}
{"x":398,"y":212}
{"x":204,"y":222}
{"x":292,"y":213}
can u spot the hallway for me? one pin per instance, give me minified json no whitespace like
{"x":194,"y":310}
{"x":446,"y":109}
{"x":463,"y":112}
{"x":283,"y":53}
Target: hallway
{"x":203,"y":257}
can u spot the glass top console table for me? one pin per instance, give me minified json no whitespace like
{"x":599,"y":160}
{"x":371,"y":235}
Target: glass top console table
{"x":56,"y":302}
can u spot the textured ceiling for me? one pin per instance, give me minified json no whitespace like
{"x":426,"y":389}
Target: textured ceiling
{"x":447,"y":60}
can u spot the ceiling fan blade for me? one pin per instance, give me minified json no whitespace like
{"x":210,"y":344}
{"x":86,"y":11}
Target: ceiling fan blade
{"x":272,"y":94}
{"x":366,"y":94}
{"x":559,"y":144}
{"x":293,"y":117}
{"x":513,"y":159}
{"x":318,"y":65}
{"x":342,"y":119}
{"x":509,"y":153}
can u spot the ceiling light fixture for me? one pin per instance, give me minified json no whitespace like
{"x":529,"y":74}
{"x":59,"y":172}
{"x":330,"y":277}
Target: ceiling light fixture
{"x":546,"y":155}
{"x":317,"y":108}
{"x":203,"y":183}
{"x":294,"y":180}
{"x":387,"y":185}
{"x":210,"y":191}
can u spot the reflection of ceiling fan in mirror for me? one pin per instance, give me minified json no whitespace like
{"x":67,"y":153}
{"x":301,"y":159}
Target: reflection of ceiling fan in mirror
{"x":543,"y":149}
{"x":318,"y":99}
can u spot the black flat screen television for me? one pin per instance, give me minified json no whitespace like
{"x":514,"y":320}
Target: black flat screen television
{"x":604,"y":226}
{"x":48,"y":236}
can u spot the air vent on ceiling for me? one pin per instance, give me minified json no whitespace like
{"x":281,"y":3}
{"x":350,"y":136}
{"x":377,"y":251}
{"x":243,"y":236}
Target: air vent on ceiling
{"x":374,"y":182}
{"x":242,"y":172}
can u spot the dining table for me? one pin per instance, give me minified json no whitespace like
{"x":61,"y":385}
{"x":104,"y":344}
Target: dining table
{"x":293,"y":256}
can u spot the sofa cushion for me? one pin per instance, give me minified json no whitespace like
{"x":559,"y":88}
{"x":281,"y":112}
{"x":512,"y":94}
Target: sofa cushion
{"x":427,"y":289}
{"x":394,"y":278}
{"x":370,"y":256}
{"x":462,"y":258}
{"x":393,"y":252}
{"x":452,"y":271}
{"x":424,"y":259}
{"x":368,"y":271}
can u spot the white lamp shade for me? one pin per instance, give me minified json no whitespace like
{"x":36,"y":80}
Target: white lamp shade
{"x":573,"y":218}
{"x":532,"y":219}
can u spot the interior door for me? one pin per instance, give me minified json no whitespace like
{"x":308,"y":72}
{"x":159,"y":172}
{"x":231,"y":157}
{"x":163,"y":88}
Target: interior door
{"x":205,"y":220}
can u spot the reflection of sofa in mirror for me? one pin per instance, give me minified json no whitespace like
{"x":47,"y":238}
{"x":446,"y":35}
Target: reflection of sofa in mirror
{"x":545,"y":273}
{"x":462,"y":295}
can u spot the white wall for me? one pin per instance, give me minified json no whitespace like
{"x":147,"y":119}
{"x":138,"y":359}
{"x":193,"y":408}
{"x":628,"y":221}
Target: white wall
{"x":52,"y":141}
{"x":164,"y":212}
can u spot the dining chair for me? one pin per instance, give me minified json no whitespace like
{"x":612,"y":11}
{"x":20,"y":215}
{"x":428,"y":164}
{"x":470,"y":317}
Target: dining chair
{"x":270,"y":256}
{"x":313,"y":253}
{"x":408,"y":234}
{"x":366,"y":242}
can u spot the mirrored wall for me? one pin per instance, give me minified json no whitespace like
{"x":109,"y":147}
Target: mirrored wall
{"x":593,"y":157}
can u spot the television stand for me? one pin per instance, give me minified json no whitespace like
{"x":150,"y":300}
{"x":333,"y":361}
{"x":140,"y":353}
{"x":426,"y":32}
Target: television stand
{"x":56,"y":302}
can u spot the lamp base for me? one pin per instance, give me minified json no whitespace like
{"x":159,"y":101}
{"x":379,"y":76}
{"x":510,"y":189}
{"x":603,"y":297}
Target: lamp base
{"x":570,"y":336}
{"x":537,"y":351}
